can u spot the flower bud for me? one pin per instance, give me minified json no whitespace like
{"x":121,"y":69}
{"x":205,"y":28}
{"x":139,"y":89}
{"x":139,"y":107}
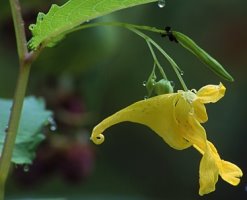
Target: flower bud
{"x":163,"y":87}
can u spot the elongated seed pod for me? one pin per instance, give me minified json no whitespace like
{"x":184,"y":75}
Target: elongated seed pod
{"x":203,"y":56}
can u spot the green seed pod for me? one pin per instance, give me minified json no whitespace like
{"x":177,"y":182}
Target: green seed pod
{"x":203,"y":56}
{"x":163,"y":86}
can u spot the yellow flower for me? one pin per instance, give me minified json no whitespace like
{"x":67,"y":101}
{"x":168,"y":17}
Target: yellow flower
{"x":177,"y":118}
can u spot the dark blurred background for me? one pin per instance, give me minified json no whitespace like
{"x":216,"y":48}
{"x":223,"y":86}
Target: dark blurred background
{"x":95,"y":72}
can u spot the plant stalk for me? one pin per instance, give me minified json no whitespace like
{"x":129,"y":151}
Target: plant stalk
{"x":25,"y":60}
{"x":13,"y":125}
{"x":19,"y":29}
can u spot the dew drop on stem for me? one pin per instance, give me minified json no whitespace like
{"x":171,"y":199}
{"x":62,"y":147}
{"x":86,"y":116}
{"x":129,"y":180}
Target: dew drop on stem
{"x":144,"y":83}
{"x":162,"y":3}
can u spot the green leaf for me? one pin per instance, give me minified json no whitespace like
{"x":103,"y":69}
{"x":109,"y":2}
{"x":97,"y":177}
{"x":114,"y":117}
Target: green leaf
{"x":51,"y":27}
{"x":203,"y":56}
{"x":34,"y":116}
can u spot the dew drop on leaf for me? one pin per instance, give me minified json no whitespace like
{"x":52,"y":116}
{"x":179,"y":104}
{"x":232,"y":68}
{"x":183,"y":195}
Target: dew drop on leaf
{"x":52,"y":123}
{"x":161,"y":3}
{"x":144,"y":83}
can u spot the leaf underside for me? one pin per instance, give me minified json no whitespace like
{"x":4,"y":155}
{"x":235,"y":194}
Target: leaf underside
{"x":51,"y":27}
{"x":34,"y":116}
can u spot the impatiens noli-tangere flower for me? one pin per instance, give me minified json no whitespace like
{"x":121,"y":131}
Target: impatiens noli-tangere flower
{"x":177,"y":118}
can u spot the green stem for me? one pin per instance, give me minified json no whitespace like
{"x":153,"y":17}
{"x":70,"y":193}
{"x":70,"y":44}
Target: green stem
{"x":25,"y":59}
{"x":19,"y":28}
{"x":13,"y":126}
{"x":119,"y":24}
{"x":156,"y":60}
{"x":170,"y":60}
{"x":173,"y":64}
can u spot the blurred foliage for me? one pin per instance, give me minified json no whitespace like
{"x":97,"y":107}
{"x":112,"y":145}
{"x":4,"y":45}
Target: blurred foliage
{"x":29,"y":134}
{"x":106,"y":68}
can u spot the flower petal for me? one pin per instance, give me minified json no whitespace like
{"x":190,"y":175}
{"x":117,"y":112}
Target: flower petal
{"x":189,"y":126}
{"x":200,"y":111}
{"x":196,"y":134}
{"x":157,"y":113}
{"x":211,"y":93}
{"x":208,"y":173}
{"x":227,"y":170}
{"x":230,"y":172}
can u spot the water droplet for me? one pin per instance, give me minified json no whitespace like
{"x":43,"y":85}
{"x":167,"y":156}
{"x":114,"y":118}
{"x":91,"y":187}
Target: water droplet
{"x":53,"y":128}
{"x":6,"y":129}
{"x":162,"y":3}
{"x":145,"y":97}
{"x":172,"y":84}
{"x":182,"y":73}
{"x":53,"y":124}
{"x":26,"y":168}
{"x":144,"y":83}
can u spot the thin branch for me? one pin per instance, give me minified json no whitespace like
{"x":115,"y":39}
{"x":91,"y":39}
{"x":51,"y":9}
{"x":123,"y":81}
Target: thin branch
{"x":156,"y":60}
